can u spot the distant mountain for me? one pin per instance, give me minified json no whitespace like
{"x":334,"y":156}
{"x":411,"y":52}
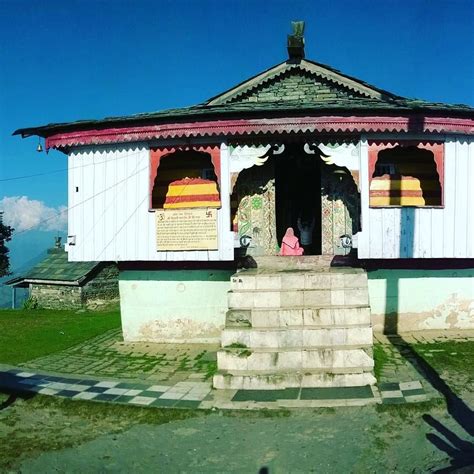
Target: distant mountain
{"x":6,"y":296}
{"x":26,"y":250}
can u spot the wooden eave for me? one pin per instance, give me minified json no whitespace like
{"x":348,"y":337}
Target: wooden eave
{"x":365,"y":109}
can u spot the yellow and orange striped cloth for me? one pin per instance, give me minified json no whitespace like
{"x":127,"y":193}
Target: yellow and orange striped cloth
{"x":404,"y":191}
{"x":192,"y":193}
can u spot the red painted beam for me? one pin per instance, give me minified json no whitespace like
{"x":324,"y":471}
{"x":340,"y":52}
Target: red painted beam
{"x":242,"y":127}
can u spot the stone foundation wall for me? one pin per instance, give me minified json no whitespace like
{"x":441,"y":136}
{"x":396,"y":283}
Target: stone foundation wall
{"x":417,"y":300}
{"x":57,"y":296}
{"x":103,"y":288}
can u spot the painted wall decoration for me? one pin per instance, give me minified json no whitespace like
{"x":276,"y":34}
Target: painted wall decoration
{"x":244,"y":157}
{"x":340,"y":197}
{"x":346,"y":155}
{"x":339,"y":209}
{"x":254,"y":197}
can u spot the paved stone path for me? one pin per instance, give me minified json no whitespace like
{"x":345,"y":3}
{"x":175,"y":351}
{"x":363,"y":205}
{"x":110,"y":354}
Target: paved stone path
{"x":199,"y":394}
{"x":106,"y":369}
{"x":427,"y":336}
{"x":109,"y":357}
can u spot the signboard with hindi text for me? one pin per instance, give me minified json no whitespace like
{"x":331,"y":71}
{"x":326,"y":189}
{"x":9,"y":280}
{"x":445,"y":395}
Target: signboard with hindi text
{"x":186,"y":229}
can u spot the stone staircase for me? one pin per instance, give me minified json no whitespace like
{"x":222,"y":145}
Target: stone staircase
{"x":296,"y":322}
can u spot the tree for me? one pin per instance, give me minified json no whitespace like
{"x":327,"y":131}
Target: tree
{"x":5,"y":235}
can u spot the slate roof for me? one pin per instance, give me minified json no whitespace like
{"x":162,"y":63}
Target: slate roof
{"x":350,"y":95}
{"x":55,"y":267}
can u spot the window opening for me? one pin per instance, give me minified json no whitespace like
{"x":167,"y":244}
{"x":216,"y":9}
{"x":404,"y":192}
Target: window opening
{"x":405,"y":176}
{"x":185,"y":179}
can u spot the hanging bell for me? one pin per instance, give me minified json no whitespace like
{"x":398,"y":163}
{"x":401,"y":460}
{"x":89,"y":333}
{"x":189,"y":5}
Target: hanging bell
{"x":39,"y":148}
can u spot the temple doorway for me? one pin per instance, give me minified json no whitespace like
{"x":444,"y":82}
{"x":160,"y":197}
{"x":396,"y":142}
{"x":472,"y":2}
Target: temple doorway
{"x":317,"y":198}
{"x":295,"y":187}
{"x":298,"y":197}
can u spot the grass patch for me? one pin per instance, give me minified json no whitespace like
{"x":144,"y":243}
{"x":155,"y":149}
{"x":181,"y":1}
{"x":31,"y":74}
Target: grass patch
{"x":42,"y":424}
{"x":211,"y":370}
{"x":380,"y":360}
{"x":451,"y":355}
{"x":407,"y":410}
{"x":236,"y":345}
{"x":452,"y":360}
{"x":28,"y":334}
{"x":263,"y":413}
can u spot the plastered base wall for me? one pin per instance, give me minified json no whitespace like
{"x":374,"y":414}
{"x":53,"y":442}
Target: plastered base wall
{"x":416,"y":300}
{"x":173,"y":305}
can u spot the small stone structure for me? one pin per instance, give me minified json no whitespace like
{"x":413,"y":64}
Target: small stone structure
{"x":55,"y":283}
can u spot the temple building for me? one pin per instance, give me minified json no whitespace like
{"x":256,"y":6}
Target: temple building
{"x":377,"y":187}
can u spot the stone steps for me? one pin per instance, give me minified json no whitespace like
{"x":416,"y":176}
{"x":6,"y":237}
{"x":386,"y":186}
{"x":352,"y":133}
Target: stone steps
{"x":296,"y":322}
{"x":290,"y":379}
{"x":307,"y":262}
{"x":317,"y":359}
{"x":297,"y":298}
{"x":277,"y":317}
{"x":289,"y":348}
{"x":297,"y":281}
{"x":296,"y":337}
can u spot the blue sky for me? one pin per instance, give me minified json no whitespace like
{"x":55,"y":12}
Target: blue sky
{"x":69,"y":60}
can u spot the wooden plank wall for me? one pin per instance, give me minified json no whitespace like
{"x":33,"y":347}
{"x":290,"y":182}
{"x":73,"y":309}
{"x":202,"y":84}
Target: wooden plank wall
{"x":108,"y":200}
{"x":424,"y":233}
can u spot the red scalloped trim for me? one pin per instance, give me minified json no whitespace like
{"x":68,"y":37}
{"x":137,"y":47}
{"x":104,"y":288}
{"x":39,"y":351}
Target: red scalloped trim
{"x":247,"y":127}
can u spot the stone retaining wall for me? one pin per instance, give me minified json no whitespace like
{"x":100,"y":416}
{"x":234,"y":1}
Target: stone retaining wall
{"x":57,"y":296}
{"x":103,"y":288}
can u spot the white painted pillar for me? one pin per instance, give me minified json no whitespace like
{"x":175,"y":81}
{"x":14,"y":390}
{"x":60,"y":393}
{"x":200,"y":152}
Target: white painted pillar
{"x":363,"y":237}
{"x":226,"y":236}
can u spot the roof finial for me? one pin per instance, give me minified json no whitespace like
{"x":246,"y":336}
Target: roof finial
{"x":296,"y":41}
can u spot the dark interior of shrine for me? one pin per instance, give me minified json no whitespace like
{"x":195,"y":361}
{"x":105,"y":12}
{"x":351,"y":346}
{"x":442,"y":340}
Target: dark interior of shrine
{"x":298,"y":195}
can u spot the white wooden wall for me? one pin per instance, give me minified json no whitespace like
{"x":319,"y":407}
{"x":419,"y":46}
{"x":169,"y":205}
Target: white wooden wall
{"x":424,"y":233}
{"x":109,"y":215}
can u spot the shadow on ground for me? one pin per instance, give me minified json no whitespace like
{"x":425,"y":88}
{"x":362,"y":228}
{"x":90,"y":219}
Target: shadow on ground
{"x":460,"y":452}
{"x":13,"y":391}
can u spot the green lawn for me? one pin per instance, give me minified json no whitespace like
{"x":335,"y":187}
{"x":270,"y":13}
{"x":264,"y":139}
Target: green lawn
{"x":450,"y":355}
{"x":452,"y":360}
{"x":27,"y":334}
{"x":41,"y":424}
